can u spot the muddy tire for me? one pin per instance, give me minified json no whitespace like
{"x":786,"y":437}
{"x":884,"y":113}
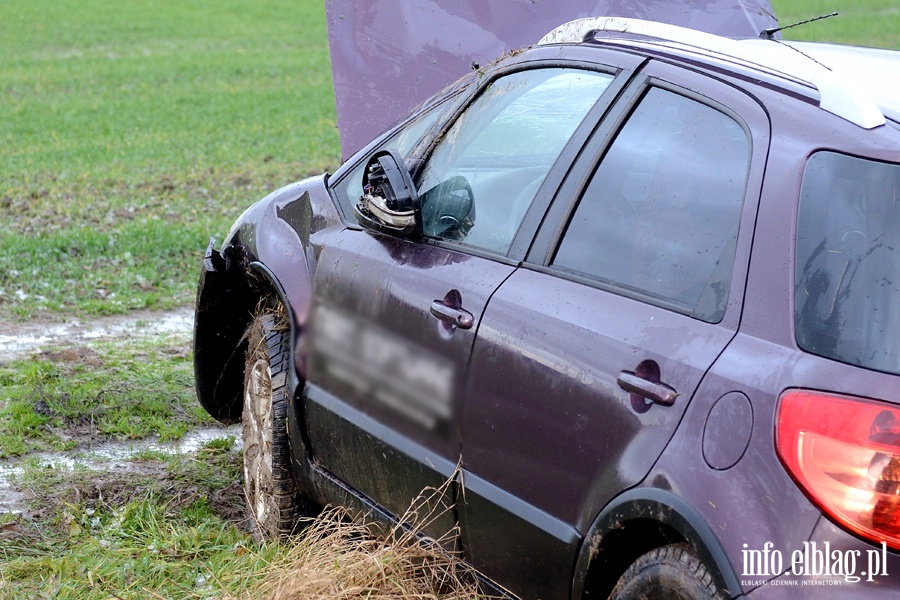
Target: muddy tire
{"x":272,"y":499}
{"x":671,"y":572}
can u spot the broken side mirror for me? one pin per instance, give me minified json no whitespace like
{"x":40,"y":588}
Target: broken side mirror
{"x":389,"y":203}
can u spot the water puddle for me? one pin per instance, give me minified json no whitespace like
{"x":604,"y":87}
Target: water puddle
{"x":24,"y":339}
{"x":105,"y":457}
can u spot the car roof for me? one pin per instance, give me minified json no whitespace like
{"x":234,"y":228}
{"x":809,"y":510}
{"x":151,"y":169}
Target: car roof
{"x":857,"y":84}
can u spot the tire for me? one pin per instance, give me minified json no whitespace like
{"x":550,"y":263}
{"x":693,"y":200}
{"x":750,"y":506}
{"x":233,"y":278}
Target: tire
{"x":273,"y":502}
{"x":671,"y":572}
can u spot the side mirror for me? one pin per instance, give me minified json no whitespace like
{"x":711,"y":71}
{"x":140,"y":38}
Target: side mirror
{"x":389,"y":203}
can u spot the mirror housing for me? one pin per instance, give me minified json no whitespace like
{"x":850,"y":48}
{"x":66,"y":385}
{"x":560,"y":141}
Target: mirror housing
{"x":389,"y":203}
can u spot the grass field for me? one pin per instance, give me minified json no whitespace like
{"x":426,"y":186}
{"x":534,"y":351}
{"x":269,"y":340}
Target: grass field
{"x":134,"y":130}
{"x":131,"y":132}
{"x":861,"y":22}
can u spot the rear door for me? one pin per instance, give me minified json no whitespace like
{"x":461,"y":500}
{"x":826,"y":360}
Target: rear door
{"x":394,"y":320}
{"x":587,"y":357}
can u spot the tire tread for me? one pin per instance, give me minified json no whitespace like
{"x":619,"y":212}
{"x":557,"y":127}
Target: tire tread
{"x":673,"y":571}
{"x":267,"y":331}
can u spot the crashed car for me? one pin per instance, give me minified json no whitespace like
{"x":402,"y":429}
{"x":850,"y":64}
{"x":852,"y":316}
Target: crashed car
{"x":632,"y":291}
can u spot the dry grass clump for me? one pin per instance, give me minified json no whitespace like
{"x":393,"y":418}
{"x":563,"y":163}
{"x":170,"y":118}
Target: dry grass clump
{"x":338,"y":559}
{"x":335,"y":557}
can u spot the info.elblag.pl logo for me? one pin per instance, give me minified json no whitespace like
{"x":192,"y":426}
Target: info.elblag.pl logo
{"x":815,"y":561}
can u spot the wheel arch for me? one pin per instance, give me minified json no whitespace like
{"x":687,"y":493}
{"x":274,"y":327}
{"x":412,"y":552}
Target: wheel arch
{"x":272,"y":287}
{"x":226,"y":302}
{"x":267,"y":253}
{"x":637,"y":522}
{"x":231,"y":287}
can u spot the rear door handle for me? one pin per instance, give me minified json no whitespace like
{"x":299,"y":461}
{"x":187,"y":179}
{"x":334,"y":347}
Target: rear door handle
{"x":454,"y":316}
{"x":659,"y":393}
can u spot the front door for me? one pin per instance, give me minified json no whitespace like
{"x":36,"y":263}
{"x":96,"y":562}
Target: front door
{"x":394,"y":321}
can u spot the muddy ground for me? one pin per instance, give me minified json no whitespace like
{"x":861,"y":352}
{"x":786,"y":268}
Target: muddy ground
{"x":47,"y":334}
{"x":97,"y":468}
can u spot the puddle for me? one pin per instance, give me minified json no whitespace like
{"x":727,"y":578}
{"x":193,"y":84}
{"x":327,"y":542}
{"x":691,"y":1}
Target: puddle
{"x":24,"y":339}
{"x":112,"y":456}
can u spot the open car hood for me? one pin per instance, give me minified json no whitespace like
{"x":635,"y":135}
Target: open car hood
{"x":387,"y":56}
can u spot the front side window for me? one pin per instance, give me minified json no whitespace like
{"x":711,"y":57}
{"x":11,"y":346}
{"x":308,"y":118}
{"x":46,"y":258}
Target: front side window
{"x":481,"y":177}
{"x":659,"y":218}
{"x":847,"y":277}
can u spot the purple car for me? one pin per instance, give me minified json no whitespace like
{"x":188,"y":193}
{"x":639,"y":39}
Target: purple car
{"x":633,"y":291}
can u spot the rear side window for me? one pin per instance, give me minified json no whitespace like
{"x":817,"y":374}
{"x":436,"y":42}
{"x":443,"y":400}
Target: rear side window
{"x":847,"y":300}
{"x":659,"y":219}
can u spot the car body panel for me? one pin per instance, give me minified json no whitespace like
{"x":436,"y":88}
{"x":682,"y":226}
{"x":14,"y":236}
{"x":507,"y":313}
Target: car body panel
{"x":763,"y":361}
{"x":376,"y":346}
{"x":536,"y":394}
{"x":379,"y":291}
{"x":750,"y":496}
{"x":279,"y":232}
{"x":545,"y":371}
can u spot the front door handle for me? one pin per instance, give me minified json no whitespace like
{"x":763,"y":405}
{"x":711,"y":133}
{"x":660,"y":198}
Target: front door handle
{"x":455,"y":316}
{"x":659,"y":393}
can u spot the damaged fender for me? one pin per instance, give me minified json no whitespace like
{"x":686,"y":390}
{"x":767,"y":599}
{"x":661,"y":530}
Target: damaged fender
{"x":268,"y":252}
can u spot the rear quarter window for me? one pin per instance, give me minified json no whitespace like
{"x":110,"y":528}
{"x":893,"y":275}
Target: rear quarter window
{"x":847,"y":297}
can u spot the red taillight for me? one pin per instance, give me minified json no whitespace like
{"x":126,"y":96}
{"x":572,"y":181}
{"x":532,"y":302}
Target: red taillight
{"x":845,"y":454}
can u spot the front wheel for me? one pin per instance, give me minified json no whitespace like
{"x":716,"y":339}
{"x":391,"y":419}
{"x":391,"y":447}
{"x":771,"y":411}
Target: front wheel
{"x":673,"y":572}
{"x":272,"y":498}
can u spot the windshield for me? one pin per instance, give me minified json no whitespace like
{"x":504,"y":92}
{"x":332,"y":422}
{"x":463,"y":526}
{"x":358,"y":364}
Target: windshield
{"x":847,"y":301}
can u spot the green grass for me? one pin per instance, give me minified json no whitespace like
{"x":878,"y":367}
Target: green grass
{"x":861,"y":22}
{"x":137,"y":89}
{"x":164,"y":526}
{"x":155,"y":530}
{"x":139,"y":263}
{"x":115,"y":390}
{"x":134,"y":130}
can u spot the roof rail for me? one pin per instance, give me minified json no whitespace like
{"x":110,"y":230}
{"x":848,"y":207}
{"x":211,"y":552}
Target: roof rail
{"x":837,"y":95}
